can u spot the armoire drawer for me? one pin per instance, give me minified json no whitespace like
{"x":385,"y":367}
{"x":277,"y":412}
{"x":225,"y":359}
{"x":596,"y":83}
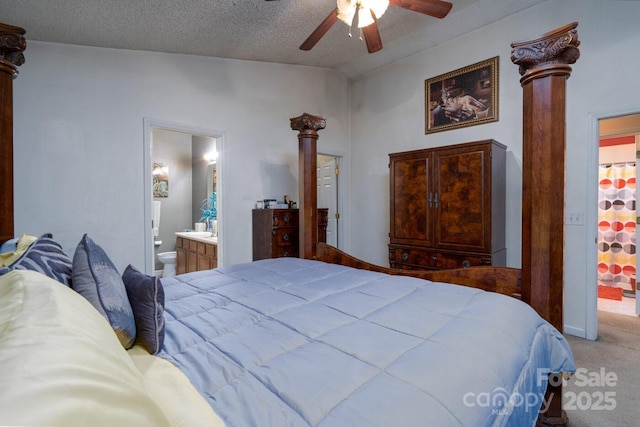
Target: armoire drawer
{"x":412,"y":258}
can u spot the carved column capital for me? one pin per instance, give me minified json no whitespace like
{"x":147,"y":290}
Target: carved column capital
{"x":549,"y":54}
{"x":308,"y":124}
{"x":12,"y":44}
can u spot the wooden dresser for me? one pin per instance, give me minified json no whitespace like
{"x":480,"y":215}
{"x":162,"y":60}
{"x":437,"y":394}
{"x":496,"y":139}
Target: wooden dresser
{"x":275,"y":232}
{"x":448,"y":206}
{"x":195,"y":255}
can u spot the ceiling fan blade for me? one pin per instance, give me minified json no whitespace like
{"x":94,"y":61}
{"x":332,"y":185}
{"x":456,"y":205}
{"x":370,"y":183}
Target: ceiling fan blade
{"x":435,"y":8}
{"x":372,"y":36}
{"x":320,"y":31}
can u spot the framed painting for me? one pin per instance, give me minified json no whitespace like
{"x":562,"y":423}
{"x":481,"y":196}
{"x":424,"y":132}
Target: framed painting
{"x":160,"y":180}
{"x":464,"y":97}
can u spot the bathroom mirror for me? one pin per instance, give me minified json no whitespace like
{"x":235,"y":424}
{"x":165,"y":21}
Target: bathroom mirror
{"x":204,"y":173}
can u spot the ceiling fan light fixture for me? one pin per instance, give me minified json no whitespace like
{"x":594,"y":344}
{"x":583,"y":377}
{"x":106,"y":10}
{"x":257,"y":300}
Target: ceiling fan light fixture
{"x":369,"y":11}
{"x":364,"y":18}
{"x":379,"y":7}
{"x":347,"y":11}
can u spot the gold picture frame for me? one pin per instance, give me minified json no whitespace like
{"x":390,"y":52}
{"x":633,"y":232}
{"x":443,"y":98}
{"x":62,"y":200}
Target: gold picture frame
{"x":464,"y":97}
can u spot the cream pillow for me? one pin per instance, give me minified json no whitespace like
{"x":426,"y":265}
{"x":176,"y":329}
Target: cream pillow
{"x":173,"y":392}
{"x":61,"y":364}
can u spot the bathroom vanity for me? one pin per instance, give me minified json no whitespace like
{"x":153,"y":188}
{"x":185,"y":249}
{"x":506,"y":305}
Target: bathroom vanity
{"x":195,"y":251}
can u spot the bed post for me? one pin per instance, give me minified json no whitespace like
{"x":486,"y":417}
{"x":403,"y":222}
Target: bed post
{"x":308,"y":127}
{"x":544,"y":69}
{"x":12,"y":44}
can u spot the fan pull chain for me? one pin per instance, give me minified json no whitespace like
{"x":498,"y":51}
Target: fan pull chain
{"x":360,"y":37}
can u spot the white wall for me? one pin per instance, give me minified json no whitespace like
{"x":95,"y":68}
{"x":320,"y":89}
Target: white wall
{"x":388,"y":116}
{"x":78,"y":131}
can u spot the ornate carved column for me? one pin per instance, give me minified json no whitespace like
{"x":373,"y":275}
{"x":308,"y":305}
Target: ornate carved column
{"x":544,"y":69}
{"x":12,"y":44}
{"x":308,"y":127}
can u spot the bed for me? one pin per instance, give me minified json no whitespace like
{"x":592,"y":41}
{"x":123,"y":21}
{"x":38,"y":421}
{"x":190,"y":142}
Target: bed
{"x":324,"y":339}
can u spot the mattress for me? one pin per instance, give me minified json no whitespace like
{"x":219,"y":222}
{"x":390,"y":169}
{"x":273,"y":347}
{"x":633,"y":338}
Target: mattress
{"x":294,"y":342}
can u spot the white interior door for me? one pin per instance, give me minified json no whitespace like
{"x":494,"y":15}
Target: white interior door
{"x":327,"y":176}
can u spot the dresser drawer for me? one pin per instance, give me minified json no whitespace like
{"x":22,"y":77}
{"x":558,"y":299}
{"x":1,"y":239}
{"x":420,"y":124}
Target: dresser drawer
{"x":412,"y":258}
{"x":286,"y":251}
{"x":284,"y":218}
{"x":285,"y":236}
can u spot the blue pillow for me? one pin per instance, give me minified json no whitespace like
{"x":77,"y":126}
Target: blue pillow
{"x":45,"y":256}
{"x":146,"y":296}
{"x":9,"y":246}
{"x":97,"y":279}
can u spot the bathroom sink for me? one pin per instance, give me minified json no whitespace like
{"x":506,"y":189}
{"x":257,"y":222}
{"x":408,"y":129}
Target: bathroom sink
{"x":199,"y":233}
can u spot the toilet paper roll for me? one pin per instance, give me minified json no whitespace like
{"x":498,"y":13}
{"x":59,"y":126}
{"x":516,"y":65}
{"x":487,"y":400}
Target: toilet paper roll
{"x":201,"y":226}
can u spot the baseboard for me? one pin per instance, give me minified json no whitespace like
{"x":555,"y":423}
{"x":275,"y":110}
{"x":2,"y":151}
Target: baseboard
{"x":572,"y":330}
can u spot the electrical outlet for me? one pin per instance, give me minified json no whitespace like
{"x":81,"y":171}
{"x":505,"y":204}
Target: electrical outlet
{"x":574,"y":218}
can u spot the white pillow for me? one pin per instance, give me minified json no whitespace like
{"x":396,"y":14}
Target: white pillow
{"x":170,"y":388}
{"x":61,"y":364}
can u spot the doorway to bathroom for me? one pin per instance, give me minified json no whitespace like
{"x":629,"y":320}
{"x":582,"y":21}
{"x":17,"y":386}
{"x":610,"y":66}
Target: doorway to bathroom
{"x":183,"y":189}
{"x":619,"y":143}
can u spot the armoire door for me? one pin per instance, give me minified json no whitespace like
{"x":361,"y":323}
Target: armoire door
{"x":411,"y":203}
{"x":462,"y":198}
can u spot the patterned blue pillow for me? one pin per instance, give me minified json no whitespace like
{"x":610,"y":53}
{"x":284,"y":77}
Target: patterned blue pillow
{"x":45,"y":256}
{"x":146,"y":296}
{"x":97,"y":279}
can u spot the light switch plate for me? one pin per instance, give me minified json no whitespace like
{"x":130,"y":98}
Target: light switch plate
{"x":574,"y":218}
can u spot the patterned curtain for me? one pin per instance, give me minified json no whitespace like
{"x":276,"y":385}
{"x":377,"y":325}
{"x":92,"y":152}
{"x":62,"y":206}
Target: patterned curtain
{"x":617,"y":223}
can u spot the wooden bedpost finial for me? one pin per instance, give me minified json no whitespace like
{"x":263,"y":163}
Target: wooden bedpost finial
{"x":549,"y":54}
{"x":308,"y":126}
{"x":308,"y":123}
{"x":12,"y":44}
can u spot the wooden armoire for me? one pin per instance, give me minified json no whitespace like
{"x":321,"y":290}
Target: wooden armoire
{"x":448,"y":206}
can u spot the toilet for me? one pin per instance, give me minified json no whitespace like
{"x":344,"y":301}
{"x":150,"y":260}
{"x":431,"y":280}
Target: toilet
{"x":168,"y":260}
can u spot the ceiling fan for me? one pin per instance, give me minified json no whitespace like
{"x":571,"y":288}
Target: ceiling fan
{"x":368,"y":13}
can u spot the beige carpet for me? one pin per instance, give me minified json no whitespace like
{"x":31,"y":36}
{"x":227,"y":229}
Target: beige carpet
{"x":592,"y":400}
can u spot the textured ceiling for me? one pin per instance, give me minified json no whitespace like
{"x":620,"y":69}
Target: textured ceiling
{"x":246,"y":29}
